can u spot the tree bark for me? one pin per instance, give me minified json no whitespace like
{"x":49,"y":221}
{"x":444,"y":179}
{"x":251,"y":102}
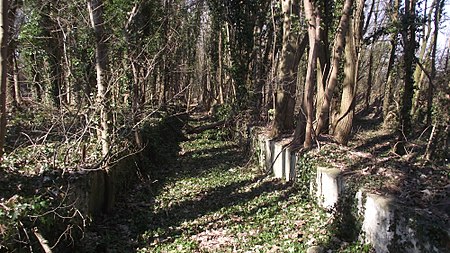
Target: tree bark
{"x":4,"y":6}
{"x":369,"y":80}
{"x":101,"y":66}
{"x":409,"y":42}
{"x":95,"y":8}
{"x":423,"y":58}
{"x":287,"y":78}
{"x":313,"y":16}
{"x":437,"y":18}
{"x":344,"y":123}
{"x":332,"y":80}
{"x":389,"y":72}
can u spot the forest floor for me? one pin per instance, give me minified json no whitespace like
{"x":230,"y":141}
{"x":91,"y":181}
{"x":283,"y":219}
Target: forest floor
{"x":211,"y":199}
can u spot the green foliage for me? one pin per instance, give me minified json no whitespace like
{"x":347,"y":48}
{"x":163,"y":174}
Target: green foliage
{"x":20,"y":217}
{"x":161,"y":139}
{"x":224,"y":112}
{"x":306,"y":173}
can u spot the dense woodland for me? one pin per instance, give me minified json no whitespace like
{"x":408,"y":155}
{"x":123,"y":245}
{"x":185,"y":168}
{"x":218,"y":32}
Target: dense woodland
{"x":80,"y":80}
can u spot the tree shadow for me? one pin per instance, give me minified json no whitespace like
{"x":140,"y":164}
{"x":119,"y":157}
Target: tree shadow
{"x":137,"y":214}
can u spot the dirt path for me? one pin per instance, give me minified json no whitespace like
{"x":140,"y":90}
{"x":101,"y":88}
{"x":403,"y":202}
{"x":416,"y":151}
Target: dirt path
{"x":209,"y":201}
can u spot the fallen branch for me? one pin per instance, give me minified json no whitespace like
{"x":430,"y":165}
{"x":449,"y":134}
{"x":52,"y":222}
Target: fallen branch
{"x":42,"y":241}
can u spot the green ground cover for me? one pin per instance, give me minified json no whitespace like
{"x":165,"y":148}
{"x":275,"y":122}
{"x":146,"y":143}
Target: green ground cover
{"x":212,"y":200}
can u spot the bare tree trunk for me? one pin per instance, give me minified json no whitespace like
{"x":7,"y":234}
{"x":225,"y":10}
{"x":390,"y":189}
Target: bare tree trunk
{"x":423,"y":57}
{"x":344,"y":123}
{"x":12,"y":79}
{"x":101,"y":66}
{"x":389,"y":73}
{"x":220,"y":67}
{"x":95,"y":8}
{"x":369,"y":80}
{"x":437,"y":18}
{"x":4,"y":6}
{"x":338,"y":50}
{"x":313,"y":16}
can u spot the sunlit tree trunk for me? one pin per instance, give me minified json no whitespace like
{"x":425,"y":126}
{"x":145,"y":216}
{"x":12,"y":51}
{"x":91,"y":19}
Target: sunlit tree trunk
{"x":437,"y":18}
{"x":101,"y":66}
{"x":4,"y":6}
{"x":389,"y":72}
{"x":312,"y":15}
{"x":287,"y":77}
{"x":369,"y":80}
{"x":14,"y":96}
{"x":323,"y":54}
{"x":338,"y":50}
{"x":95,"y":8}
{"x":344,"y":123}
{"x":423,"y":58}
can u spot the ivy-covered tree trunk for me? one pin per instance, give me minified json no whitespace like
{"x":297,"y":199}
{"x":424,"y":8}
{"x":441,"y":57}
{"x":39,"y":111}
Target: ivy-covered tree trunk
{"x":338,"y":50}
{"x":409,"y":42}
{"x":52,"y":34}
{"x":287,"y":75}
{"x":4,"y":6}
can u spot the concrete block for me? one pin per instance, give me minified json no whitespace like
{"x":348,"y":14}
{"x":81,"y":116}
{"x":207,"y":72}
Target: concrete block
{"x":290,"y":163}
{"x":329,"y":185}
{"x":279,"y":160}
{"x":388,"y":227}
{"x":269,"y":153}
{"x":264,"y":148}
{"x":378,"y":216}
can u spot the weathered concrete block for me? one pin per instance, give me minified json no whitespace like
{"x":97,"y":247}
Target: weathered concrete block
{"x":290,"y":163}
{"x":264,"y":150}
{"x":329,"y":185}
{"x":279,"y":160}
{"x":388,"y":227}
{"x":269,"y":153}
{"x":285,"y":159}
{"x":378,"y":216}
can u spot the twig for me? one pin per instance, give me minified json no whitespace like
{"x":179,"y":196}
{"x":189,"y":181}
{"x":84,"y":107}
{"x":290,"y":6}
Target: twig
{"x":42,"y":241}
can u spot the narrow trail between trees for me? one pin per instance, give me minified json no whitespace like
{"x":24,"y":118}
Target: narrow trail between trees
{"x":209,"y":200}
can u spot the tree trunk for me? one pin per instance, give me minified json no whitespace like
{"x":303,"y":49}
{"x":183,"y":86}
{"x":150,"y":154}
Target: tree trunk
{"x":101,"y":66}
{"x":369,"y":80}
{"x":95,"y":8}
{"x":220,"y":67}
{"x":423,"y":58}
{"x":409,"y":42}
{"x":389,"y":72}
{"x":437,"y":18}
{"x":338,"y":50}
{"x":4,"y":6}
{"x":344,"y":123}
{"x":290,"y":58}
{"x":313,"y":16}
{"x":343,"y":126}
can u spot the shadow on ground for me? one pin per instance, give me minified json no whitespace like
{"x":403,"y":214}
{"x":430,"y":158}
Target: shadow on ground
{"x":136,"y":214}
